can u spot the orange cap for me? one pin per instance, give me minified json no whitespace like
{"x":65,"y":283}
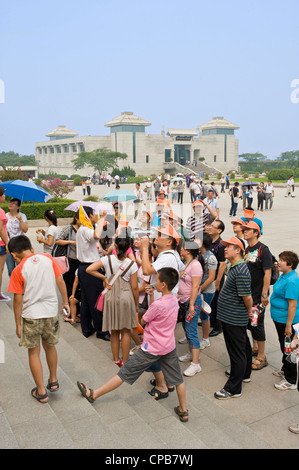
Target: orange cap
{"x":233,"y":241}
{"x":248,"y":213}
{"x":160,"y":201}
{"x":238,"y":221}
{"x":251,"y":224}
{"x":197,"y":202}
{"x":169,"y":231}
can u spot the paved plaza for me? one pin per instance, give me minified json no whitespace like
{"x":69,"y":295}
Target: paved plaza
{"x":129,"y":418}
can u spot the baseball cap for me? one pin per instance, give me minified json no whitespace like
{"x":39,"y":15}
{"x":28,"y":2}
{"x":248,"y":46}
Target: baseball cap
{"x":238,"y":221}
{"x":248,"y":213}
{"x":160,"y":201}
{"x":251,"y":224}
{"x":169,"y":231}
{"x":233,"y":241}
{"x":197,"y":203}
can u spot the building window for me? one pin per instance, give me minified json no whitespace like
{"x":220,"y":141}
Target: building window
{"x":146,"y":158}
{"x":66,"y":148}
{"x":215,"y":158}
{"x":51,"y":149}
{"x":74,"y":148}
{"x":81,"y":148}
{"x":167,"y":155}
{"x":58,"y":149}
{"x":45,"y":150}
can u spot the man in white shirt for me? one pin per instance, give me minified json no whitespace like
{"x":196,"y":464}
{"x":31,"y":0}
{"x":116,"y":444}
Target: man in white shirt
{"x":269,"y":195}
{"x":211,"y":201}
{"x":290,"y":187}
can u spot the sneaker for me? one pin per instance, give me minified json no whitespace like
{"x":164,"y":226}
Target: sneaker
{"x":205,"y":343}
{"x":192,"y":370}
{"x":119,"y":363}
{"x":278,"y":373}
{"x":227,"y":373}
{"x":4,"y":298}
{"x":284,"y":385}
{"x":225,"y":395}
{"x":294,"y":428}
{"x":186,"y":358}
{"x":183,"y":340}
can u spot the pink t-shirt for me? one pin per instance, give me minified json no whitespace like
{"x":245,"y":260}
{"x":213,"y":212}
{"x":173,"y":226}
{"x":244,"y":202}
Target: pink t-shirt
{"x":4,"y":220}
{"x":161,"y":320}
{"x":185,"y":285}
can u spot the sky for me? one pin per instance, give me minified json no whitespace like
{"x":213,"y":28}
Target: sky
{"x":175,"y":63}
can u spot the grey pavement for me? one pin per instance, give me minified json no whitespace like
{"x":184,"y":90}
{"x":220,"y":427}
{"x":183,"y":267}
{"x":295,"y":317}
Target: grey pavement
{"x":129,"y":418}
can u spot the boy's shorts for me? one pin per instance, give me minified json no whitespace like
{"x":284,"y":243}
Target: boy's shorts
{"x":142,"y":360}
{"x":47,"y":329}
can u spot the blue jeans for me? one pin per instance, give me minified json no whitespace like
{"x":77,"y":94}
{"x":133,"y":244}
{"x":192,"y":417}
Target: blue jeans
{"x":10,"y":263}
{"x":233,"y":209}
{"x":191,"y":327}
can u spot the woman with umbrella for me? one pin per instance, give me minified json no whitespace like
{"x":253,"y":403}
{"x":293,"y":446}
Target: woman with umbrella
{"x":3,"y":242}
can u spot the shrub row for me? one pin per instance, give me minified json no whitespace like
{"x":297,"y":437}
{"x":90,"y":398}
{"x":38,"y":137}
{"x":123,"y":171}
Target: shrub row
{"x":37,"y":210}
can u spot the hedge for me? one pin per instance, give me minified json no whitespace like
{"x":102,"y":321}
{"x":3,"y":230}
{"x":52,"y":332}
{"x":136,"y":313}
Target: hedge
{"x":37,"y":211}
{"x":280,"y":174}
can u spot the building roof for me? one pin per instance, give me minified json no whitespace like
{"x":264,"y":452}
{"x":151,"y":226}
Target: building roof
{"x":218,"y":122}
{"x":61,"y":131}
{"x":183,"y":132}
{"x":127,"y":118}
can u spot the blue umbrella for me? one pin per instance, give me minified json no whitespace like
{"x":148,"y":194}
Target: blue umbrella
{"x":250,"y":183}
{"x":25,"y":191}
{"x":119,"y":195}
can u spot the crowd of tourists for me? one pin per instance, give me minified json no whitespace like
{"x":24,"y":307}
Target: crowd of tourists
{"x":131,"y":282}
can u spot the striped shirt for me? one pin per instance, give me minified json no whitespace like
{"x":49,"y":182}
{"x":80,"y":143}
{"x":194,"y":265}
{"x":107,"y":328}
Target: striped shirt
{"x":195,"y":226}
{"x":231,"y":308}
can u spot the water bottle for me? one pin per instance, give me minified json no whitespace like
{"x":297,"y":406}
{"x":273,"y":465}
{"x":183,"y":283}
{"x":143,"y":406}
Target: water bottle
{"x":255,"y":316}
{"x":287,"y":345}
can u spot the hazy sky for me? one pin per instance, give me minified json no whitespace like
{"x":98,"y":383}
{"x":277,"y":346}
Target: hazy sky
{"x":174,"y":63}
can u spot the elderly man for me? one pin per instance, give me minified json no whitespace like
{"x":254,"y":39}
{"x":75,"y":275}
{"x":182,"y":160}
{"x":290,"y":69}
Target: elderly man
{"x":234,"y":309}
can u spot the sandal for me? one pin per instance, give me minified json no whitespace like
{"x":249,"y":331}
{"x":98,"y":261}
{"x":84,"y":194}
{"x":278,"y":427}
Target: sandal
{"x":39,"y":397}
{"x":183,"y":415}
{"x":157,"y":394}
{"x":259,"y":364}
{"x":83,"y":389}
{"x":69,"y":320}
{"x":153,"y":382}
{"x":51,"y":385}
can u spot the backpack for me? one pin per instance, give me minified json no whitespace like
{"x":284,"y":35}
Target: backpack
{"x":274,"y":269}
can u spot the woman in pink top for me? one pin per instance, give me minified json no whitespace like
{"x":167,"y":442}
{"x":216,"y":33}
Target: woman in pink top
{"x":3,"y":242}
{"x":190,"y":299}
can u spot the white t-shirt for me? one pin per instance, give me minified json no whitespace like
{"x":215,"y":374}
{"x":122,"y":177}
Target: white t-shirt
{"x":86,"y":245}
{"x":14,"y":226}
{"x":167,"y":259}
{"x":116,"y":263}
{"x":35,"y":278}
{"x":54,"y":231}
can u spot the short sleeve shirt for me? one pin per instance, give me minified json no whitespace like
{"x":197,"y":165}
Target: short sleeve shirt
{"x":3,"y":218}
{"x":285,"y":288}
{"x":185,"y":285}
{"x":161,"y":319}
{"x":35,"y":279}
{"x":258,"y":258}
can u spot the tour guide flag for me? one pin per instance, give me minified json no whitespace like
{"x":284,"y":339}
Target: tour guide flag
{"x":84,"y":220}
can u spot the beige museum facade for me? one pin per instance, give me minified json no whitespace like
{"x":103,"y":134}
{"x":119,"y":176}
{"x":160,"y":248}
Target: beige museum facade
{"x":148,"y":154}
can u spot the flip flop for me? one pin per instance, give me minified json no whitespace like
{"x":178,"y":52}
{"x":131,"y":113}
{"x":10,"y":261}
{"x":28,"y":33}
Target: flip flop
{"x":83,"y":389}
{"x":51,"y":385}
{"x":157,"y":394}
{"x":39,"y":397}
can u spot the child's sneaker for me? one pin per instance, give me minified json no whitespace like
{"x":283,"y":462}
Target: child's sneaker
{"x":192,"y":370}
{"x":4,"y":298}
{"x":183,"y":340}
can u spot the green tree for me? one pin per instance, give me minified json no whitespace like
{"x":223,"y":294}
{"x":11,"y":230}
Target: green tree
{"x":253,"y":157}
{"x":100,"y":160}
{"x":292,"y":157}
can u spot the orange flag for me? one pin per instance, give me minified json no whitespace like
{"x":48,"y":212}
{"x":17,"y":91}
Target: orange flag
{"x":84,"y":220}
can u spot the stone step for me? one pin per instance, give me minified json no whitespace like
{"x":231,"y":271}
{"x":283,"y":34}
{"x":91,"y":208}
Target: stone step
{"x":126,"y":418}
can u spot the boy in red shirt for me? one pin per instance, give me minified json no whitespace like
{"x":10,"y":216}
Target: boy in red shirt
{"x":33,"y":283}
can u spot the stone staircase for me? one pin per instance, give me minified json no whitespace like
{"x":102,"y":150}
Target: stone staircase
{"x":127,"y":418}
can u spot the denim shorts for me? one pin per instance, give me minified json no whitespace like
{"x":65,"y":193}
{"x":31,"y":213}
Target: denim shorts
{"x":2,"y":250}
{"x":191,"y":327}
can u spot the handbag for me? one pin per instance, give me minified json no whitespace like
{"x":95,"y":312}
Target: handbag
{"x":121,"y":272}
{"x":62,"y":250}
{"x":183,"y":309}
{"x":63,"y":263}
